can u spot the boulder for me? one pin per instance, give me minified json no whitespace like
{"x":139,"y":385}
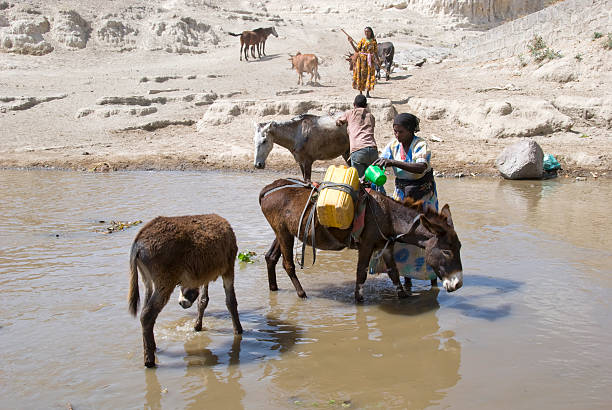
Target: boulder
{"x":558,"y":71}
{"x":25,"y":36}
{"x":522,"y":160}
{"x":71,"y":29}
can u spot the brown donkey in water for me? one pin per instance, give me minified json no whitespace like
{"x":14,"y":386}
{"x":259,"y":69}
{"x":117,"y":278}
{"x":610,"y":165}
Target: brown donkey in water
{"x":187,"y":250}
{"x":386,"y":221}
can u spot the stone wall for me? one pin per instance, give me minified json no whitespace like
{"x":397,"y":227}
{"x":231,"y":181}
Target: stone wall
{"x":562,"y":22}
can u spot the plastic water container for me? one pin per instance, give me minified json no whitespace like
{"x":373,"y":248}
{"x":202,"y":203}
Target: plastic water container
{"x":335,"y":208}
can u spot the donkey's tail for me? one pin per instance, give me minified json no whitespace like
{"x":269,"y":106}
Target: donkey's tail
{"x":134,"y":294}
{"x":234,"y":34}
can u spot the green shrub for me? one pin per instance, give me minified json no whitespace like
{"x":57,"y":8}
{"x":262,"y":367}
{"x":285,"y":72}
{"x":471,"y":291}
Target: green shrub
{"x":540,"y":51}
{"x":597,"y":35}
{"x":608,"y":43}
{"x":578,"y":57}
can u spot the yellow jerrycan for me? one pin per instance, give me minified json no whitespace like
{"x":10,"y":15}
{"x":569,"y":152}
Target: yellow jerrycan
{"x":335,"y":208}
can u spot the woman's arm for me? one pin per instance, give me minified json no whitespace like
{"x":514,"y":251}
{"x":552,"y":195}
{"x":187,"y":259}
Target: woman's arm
{"x":417,"y":168}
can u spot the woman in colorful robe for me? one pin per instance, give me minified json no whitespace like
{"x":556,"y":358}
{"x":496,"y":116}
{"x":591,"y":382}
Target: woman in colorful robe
{"x":364,"y":68}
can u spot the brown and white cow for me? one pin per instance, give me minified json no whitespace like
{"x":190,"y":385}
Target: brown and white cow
{"x":305,"y":63}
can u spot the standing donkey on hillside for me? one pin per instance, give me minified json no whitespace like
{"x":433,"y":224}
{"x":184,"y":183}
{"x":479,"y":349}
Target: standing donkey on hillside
{"x":264,"y":33}
{"x":187,"y":250}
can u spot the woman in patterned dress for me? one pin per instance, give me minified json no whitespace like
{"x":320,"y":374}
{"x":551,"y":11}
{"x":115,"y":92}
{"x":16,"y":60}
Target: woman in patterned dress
{"x":364,"y":69}
{"x":410,"y":157}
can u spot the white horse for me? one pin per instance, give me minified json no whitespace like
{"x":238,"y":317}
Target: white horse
{"x":308,"y":137}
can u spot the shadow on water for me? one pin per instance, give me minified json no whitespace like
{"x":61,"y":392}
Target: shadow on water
{"x":270,"y":337}
{"x":497,"y":287}
{"x":380,"y":292}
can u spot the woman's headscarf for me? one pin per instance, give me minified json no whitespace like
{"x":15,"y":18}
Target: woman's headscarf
{"x":408,"y":121}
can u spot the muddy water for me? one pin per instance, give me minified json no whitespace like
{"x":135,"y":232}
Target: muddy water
{"x":530,"y":328}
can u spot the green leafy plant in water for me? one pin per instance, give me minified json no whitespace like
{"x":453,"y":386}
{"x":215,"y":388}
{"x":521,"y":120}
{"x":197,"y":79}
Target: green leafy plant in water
{"x":246,"y":257}
{"x":118,"y":226}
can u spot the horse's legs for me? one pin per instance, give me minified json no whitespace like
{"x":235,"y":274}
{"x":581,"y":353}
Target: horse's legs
{"x":149,"y":314}
{"x":253,"y":51}
{"x":285,"y":241}
{"x":394,"y":274}
{"x":202,"y":303}
{"x":272,"y":257}
{"x":363,"y":261}
{"x":241,"y":44}
{"x":230,"y":299}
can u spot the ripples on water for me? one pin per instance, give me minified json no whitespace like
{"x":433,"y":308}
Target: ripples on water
{"x":529,"y":328}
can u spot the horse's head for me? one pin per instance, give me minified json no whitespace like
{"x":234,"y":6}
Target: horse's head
{"x":263,"y":144}
{"x":274,"y":33}
{"x":437,"y":235}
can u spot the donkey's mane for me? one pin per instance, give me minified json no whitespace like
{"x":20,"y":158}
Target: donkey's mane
{"x":420,"y":206}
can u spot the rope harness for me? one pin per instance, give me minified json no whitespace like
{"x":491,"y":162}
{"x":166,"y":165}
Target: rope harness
{"x":312,"y":198}
{"x":391,"y":239}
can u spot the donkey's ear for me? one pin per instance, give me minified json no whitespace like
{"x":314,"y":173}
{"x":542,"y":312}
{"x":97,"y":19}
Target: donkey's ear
{"x":445,"y":212}
{"x":432,"y":227}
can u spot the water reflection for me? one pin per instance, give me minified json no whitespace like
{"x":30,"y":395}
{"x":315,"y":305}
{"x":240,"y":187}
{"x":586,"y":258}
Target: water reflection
{"x":349,"y":357}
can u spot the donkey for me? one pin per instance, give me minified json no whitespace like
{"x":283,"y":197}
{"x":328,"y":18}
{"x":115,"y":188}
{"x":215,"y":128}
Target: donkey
{"x":308,"y":137}
{"x":187,"y":250}
{"x":247,"y":38}
{"x":264,"y":33}
{"x":386,"y":221}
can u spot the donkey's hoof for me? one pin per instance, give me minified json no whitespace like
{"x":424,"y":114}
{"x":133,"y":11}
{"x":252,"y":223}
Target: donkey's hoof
{"x":198,"y":327}
{"x":150,"y":364}
{"x":358,"y":298}
{"x":273,"y":288}
{"x":302,"y":294}
{"x":402,"y":294}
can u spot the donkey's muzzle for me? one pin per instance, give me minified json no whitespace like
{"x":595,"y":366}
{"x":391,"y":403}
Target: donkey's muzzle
{"x":453,"y":282}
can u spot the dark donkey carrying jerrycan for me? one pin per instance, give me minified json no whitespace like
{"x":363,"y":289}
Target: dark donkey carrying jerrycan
{"x":190,"y":251}
{"x":386,"y":221}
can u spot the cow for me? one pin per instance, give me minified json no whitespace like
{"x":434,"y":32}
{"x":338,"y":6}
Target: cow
{"x":305,"y":63}
{"x":385,"y":55}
